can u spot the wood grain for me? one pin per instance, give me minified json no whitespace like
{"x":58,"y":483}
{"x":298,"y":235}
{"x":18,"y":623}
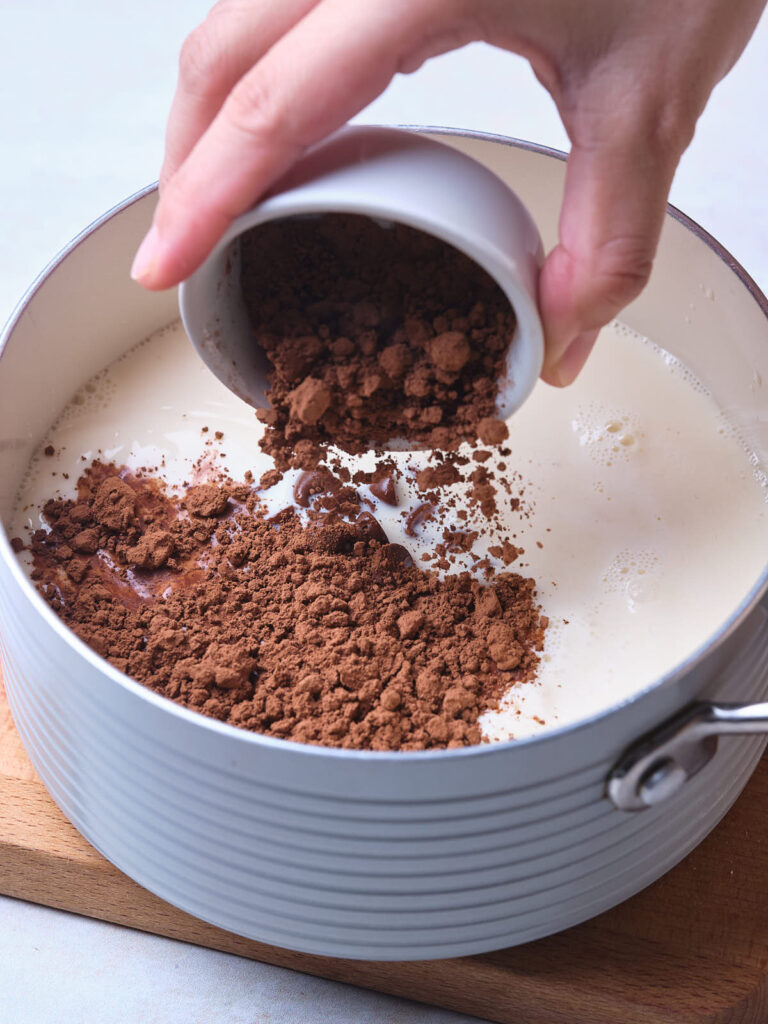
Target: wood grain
{"x":691,"y":949}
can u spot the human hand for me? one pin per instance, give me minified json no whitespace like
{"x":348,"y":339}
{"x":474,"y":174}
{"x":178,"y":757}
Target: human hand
{"x":262,"y":80}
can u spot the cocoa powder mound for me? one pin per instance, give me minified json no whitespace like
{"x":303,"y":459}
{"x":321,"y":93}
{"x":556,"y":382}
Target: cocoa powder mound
{"x":373,"y":333}
{"x":324,"y":633}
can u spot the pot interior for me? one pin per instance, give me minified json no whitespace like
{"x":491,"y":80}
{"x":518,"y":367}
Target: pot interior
{"x":86,"y":311}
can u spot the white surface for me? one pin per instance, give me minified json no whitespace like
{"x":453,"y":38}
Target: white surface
{"x":59,"y":968}
{"x":84,"y":91}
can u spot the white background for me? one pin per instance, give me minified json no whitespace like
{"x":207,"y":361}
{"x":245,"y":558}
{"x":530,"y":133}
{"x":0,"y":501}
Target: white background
{"x":84,"y":92}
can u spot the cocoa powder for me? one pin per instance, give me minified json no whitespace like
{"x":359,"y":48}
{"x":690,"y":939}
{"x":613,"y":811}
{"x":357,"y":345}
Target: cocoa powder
{"x":322,"y":633}
{"x":311,"y":625}
{"x":372,"y":333}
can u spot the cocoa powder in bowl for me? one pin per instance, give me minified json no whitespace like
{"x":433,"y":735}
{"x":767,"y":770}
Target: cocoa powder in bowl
{"x":373,"y":333}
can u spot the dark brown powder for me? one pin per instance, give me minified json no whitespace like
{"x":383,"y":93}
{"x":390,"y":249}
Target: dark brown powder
{"x":324,"y":633}
{"x":373,"y":333}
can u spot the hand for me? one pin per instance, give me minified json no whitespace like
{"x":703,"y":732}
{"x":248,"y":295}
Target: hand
{"x":261,"y":80}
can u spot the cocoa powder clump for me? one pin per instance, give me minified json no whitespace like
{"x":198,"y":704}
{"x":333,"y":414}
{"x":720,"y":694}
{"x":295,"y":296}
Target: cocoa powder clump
{"x":493,"y":431}
{"x":206,"y":500}
{"x":372,"y":333}
{"x":114,"y":504}
{"x":324,"y":633}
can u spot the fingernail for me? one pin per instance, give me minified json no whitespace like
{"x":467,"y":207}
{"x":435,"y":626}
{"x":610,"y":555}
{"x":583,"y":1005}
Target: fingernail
{"x":146,"y":256}
{"x":572,"y":360}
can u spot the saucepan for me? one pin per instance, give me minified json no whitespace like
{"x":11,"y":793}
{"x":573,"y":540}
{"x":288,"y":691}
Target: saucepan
{"x":382,"y":855}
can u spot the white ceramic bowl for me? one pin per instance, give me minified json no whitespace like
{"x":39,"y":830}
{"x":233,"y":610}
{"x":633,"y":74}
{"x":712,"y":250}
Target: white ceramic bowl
{"x":390,"y":175}
{"x":367,"y":854}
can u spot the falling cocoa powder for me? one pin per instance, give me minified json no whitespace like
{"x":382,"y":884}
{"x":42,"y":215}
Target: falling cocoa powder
{"x":373,"y":333}
{"x":322,"y":633}
{"x":310,"y":625}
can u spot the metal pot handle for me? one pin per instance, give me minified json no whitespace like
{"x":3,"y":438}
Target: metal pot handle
{"x":655,"y":767}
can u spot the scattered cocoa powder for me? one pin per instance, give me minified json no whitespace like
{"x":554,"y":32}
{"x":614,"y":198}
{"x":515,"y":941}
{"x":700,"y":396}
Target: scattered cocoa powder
{"x":372,"y":333}
{"x":492,"y":430}
{"x":506,"y":551}
{"x":436,"y":477}
{"x":324,"y":633}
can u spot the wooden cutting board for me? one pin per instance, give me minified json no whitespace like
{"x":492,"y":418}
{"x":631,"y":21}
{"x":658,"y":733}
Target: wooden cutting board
{"x":691,"y":948}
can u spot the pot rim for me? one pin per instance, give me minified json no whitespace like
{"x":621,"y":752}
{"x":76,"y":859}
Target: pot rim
{"x":236,"y":734}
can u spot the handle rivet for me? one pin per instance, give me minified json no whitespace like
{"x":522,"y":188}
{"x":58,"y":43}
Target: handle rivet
{"x":661,"y":781}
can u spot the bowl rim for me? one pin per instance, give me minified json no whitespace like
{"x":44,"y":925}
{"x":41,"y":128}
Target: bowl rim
{"x":236,"y":734}
{"x":296,"y":195}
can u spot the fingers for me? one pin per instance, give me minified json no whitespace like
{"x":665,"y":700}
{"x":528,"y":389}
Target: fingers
{"x":613,"y":209}
{"x":326,"y":68}
{"x":234,"y":36}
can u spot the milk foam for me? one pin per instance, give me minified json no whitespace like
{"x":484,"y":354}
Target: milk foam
{"x":643,"y":518}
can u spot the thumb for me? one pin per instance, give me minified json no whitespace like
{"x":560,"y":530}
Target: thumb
{"x":613,"y":209}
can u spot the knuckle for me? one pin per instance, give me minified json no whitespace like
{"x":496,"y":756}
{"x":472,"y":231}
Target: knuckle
{"x":454,"y":22}
{"x":198,"y":61}
{"x":251,"y":107}
{"x":427,"y":12}
{"x":671,"y":125}
{"x":659,"y":121}
{"x":663,"y":119}
{"x":622,"y":268}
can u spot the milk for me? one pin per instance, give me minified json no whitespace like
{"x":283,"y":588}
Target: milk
{"x":643,"y":520}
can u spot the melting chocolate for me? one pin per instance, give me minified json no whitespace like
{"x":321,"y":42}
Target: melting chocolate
{"x":418,"y":517}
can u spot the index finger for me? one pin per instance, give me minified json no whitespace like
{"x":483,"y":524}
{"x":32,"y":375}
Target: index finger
{"x":330,"y":65}
{"x":213,"y":58}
